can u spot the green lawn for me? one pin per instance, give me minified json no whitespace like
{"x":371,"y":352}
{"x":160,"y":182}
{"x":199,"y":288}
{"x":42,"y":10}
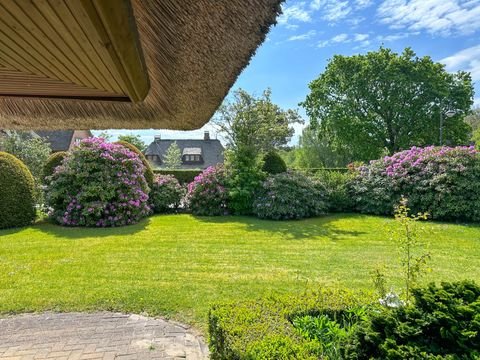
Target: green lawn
{"x":175,"y":266}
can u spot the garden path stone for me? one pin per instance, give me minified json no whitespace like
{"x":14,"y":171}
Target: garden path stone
{"x":100,"y":335}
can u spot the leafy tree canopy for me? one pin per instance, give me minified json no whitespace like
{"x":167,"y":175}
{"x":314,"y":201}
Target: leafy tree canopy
{"x":135,"y":140}
{"x":382,"y":100}
{"x":173,"y":157}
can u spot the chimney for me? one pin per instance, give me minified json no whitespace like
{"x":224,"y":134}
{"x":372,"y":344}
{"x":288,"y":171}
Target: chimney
{"x":158,"y":137}
{"x":206,"y":135}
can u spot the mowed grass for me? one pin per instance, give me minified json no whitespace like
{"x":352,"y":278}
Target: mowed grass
{"x":177,"y":265}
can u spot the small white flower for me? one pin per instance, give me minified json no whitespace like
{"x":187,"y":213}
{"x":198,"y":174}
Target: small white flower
{"x":392,"y":300}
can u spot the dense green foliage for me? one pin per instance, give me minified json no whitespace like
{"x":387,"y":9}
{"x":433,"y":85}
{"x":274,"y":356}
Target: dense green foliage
{"x":263,"y":329}
{"x":206,"y":194}
{"x":183,"y":176}
{"x":17,"y":193}
{"x":443,"y":323}
{"x":148,"y":174}
{"x":288,"y":196}
{"x":383,"y":101}
{"x":98,"y":184}
{"x":173,"y":157}
{"x":442,"y":181}
{"x":335,"y":185}
{"x":166,"y":194}
{"x":135,"y":140}
{"x":52,"y":162}
{"x":273,"y":163}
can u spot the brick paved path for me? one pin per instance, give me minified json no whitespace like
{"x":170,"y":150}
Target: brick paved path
{"x":96,"y":336}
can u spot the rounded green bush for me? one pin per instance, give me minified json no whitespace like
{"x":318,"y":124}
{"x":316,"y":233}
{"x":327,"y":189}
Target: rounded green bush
{"x":149,"y":176}
{"x":17,"y":193}
{"x":273,"y":163}
{"x":52,"y":162}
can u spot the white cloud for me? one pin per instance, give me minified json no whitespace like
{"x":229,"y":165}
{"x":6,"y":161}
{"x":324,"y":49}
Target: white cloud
{"x":340,"y":38}
{"x":297,"y":12}
{"x":395,"y":37}
{"x":336,"y":10}
{"x":361,"y":4}
{"x":360,"y":37}
{"x":346,"y":38}
{"x":305,"y":36}
{"x":439,"y":17}
{"x":467,"y":60}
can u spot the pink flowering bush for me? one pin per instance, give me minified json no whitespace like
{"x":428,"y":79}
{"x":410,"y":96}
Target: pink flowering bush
{"x":289,"y":196}
{"x":206,"y":194}
{"x":99,"y":184}
{"x":166,"y":194}
{"x":443,"y":181}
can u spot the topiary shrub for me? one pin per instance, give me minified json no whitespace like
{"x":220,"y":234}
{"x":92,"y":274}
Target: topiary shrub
{"x":273,"y":163}
{"x":206,"y":194}
{"x":98,"y":184}
{"x":288,"y":196}
{"x":149,"y":176}
{"x":166,"y":194}
{"x":53,"y":161}
{"x":443,"y":323}
{"x":336,"y":187}
{"x":17,"y":193}
{"x":442,"y":181}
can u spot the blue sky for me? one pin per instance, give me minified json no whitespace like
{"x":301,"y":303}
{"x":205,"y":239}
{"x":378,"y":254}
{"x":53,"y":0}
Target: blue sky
{"x":310,"y":32}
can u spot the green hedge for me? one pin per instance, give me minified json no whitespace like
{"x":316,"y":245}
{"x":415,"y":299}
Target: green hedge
{"x":53,"y":161}
{"x":183,"y":176}
{"x":17,"y":193}
{"x":262,"y":329}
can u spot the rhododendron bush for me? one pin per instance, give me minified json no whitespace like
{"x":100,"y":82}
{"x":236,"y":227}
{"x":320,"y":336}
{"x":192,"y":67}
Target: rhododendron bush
{"x":166,"y":194}
{"x":98,"y":184}
{"x":443,"y":181}
{"x":207,"y":194}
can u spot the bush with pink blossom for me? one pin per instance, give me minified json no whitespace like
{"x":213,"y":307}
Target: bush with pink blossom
{"x":443,"y":181}
{"x":166,"y":194}
{"x":100,"y":185}
{"x":207,"y":194}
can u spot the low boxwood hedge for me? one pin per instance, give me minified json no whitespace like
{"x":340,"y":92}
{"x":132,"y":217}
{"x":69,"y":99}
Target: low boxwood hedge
{"x":262,"y":329}
{"x":183,"y":176}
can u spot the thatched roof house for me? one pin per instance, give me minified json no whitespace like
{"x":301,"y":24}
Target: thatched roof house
{"x":124,"y":63}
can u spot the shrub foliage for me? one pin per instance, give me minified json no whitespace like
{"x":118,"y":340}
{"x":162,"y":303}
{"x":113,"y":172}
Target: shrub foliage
{"x":335,"y":185}
{"x":443,"y":181}
{"x":166,"y":194}
{"x":273,"y":163}
{"x":148,"y":174}
{"x":52,"y":162}
{"x":183,"y":176}
{"x":206,"y":194}
{"x":99,"y":184}
{"x":17,"y":193}
{"x":288,"y":196}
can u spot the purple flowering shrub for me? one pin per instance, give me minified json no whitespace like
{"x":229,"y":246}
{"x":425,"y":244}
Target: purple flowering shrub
{"x":99,"y":184}
{"x":206,"y":194}
{"x":166,"y":194}
{"x":289,"y":195}
{"x":443,"y":181}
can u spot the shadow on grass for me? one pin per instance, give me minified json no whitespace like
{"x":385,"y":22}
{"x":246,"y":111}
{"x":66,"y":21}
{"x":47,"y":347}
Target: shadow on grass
{"x":323,"y":226}
{"x":85,"y":232}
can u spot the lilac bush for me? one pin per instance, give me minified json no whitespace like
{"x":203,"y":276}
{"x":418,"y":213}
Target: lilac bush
{"x":100,"y":185}
{"x":166,"y":194}
{"x":443,"y":181}
{"x":207,"y":194}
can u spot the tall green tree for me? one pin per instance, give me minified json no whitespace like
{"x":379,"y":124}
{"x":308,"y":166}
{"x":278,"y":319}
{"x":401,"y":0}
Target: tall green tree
{"x":382,"y":100}
{"x":251,"y":126}
{"x":173,"y":157}
{"x":135,"y":140}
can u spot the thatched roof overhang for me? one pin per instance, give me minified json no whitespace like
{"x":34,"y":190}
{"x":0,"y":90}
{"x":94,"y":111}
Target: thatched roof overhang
{"x":124,"y":63}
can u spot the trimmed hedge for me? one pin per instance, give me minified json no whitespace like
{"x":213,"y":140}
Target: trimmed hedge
{"x":336,"y":185}
{"x":148,"y":174}
{"x":17,"y":193}
{"x":263,"y":329}
{"x":183,"y":176}
{"x":52,"y":162}
{"x":273,"y":163}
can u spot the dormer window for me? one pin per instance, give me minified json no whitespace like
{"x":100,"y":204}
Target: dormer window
{"x":192,"y":155}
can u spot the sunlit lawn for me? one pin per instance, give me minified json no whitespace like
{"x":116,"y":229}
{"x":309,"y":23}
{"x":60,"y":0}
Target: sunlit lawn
{"x":176,"y":265}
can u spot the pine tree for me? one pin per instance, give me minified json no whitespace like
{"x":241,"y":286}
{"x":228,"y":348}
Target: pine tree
{"x":173,"y":157}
